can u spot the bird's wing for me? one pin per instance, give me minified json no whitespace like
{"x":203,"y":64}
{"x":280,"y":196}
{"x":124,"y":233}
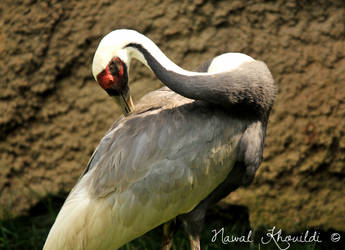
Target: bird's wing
{"x":169,"y":155}
{"x":152,"y":101}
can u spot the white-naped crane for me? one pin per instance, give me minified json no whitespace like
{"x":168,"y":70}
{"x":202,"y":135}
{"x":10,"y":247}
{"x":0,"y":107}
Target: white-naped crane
{"x":183,"y":148}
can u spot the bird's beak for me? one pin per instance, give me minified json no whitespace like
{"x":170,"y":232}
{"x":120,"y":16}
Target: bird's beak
{"x":124,"y":100}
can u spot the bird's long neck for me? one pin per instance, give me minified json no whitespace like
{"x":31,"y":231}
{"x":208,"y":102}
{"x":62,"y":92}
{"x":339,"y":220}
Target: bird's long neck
{"x":173,"y":76}
{"x":250,"y":85}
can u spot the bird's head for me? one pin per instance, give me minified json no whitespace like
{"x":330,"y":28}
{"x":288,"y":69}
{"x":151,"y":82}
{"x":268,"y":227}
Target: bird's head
{"x":110,"y":67}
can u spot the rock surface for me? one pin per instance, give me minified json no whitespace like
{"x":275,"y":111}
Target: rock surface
{"x":53,"y":114}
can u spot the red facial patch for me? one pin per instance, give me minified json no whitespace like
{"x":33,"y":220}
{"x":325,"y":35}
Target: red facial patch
{"x":105,"y":79}
{"x":112,"y":74}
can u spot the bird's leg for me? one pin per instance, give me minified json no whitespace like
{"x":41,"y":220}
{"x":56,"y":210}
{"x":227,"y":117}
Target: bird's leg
{"x":194,"y":242}
{"x":169,"y":228}
{"x":193,"y":223}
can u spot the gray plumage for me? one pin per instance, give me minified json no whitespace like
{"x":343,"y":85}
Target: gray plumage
{"x":178,"y":135}
{"x":249,"y":88}
{"x":180,"y":151}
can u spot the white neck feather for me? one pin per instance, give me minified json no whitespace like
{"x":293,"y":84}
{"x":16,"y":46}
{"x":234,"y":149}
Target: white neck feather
{"x":114,"y":44}
{"x":153,"y":49}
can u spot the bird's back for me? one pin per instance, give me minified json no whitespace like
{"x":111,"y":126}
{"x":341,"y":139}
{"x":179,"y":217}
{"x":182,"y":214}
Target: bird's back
{"x":151,"y":166}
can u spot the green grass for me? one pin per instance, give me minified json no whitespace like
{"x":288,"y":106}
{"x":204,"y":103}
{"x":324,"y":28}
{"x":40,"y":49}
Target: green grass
{"x":29,"y":232}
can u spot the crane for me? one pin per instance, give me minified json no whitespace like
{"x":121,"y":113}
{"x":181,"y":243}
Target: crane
{"x":181,"y":148}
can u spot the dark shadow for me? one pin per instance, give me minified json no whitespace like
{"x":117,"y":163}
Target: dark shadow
{"x":31,"y":230}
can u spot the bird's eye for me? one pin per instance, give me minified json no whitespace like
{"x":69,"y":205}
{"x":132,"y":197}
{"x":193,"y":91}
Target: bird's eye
{"x":116,"y":67}
{"x":113,"y":68}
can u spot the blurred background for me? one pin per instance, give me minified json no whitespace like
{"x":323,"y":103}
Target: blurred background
{"x":53,"y":113}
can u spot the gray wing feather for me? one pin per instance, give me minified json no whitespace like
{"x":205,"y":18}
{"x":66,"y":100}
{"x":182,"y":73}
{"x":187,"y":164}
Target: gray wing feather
{"x":167,"y":153}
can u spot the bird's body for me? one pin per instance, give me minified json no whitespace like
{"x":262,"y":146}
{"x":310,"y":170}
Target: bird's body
{"x":129,"y":190}
{"x":173,"y":156}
